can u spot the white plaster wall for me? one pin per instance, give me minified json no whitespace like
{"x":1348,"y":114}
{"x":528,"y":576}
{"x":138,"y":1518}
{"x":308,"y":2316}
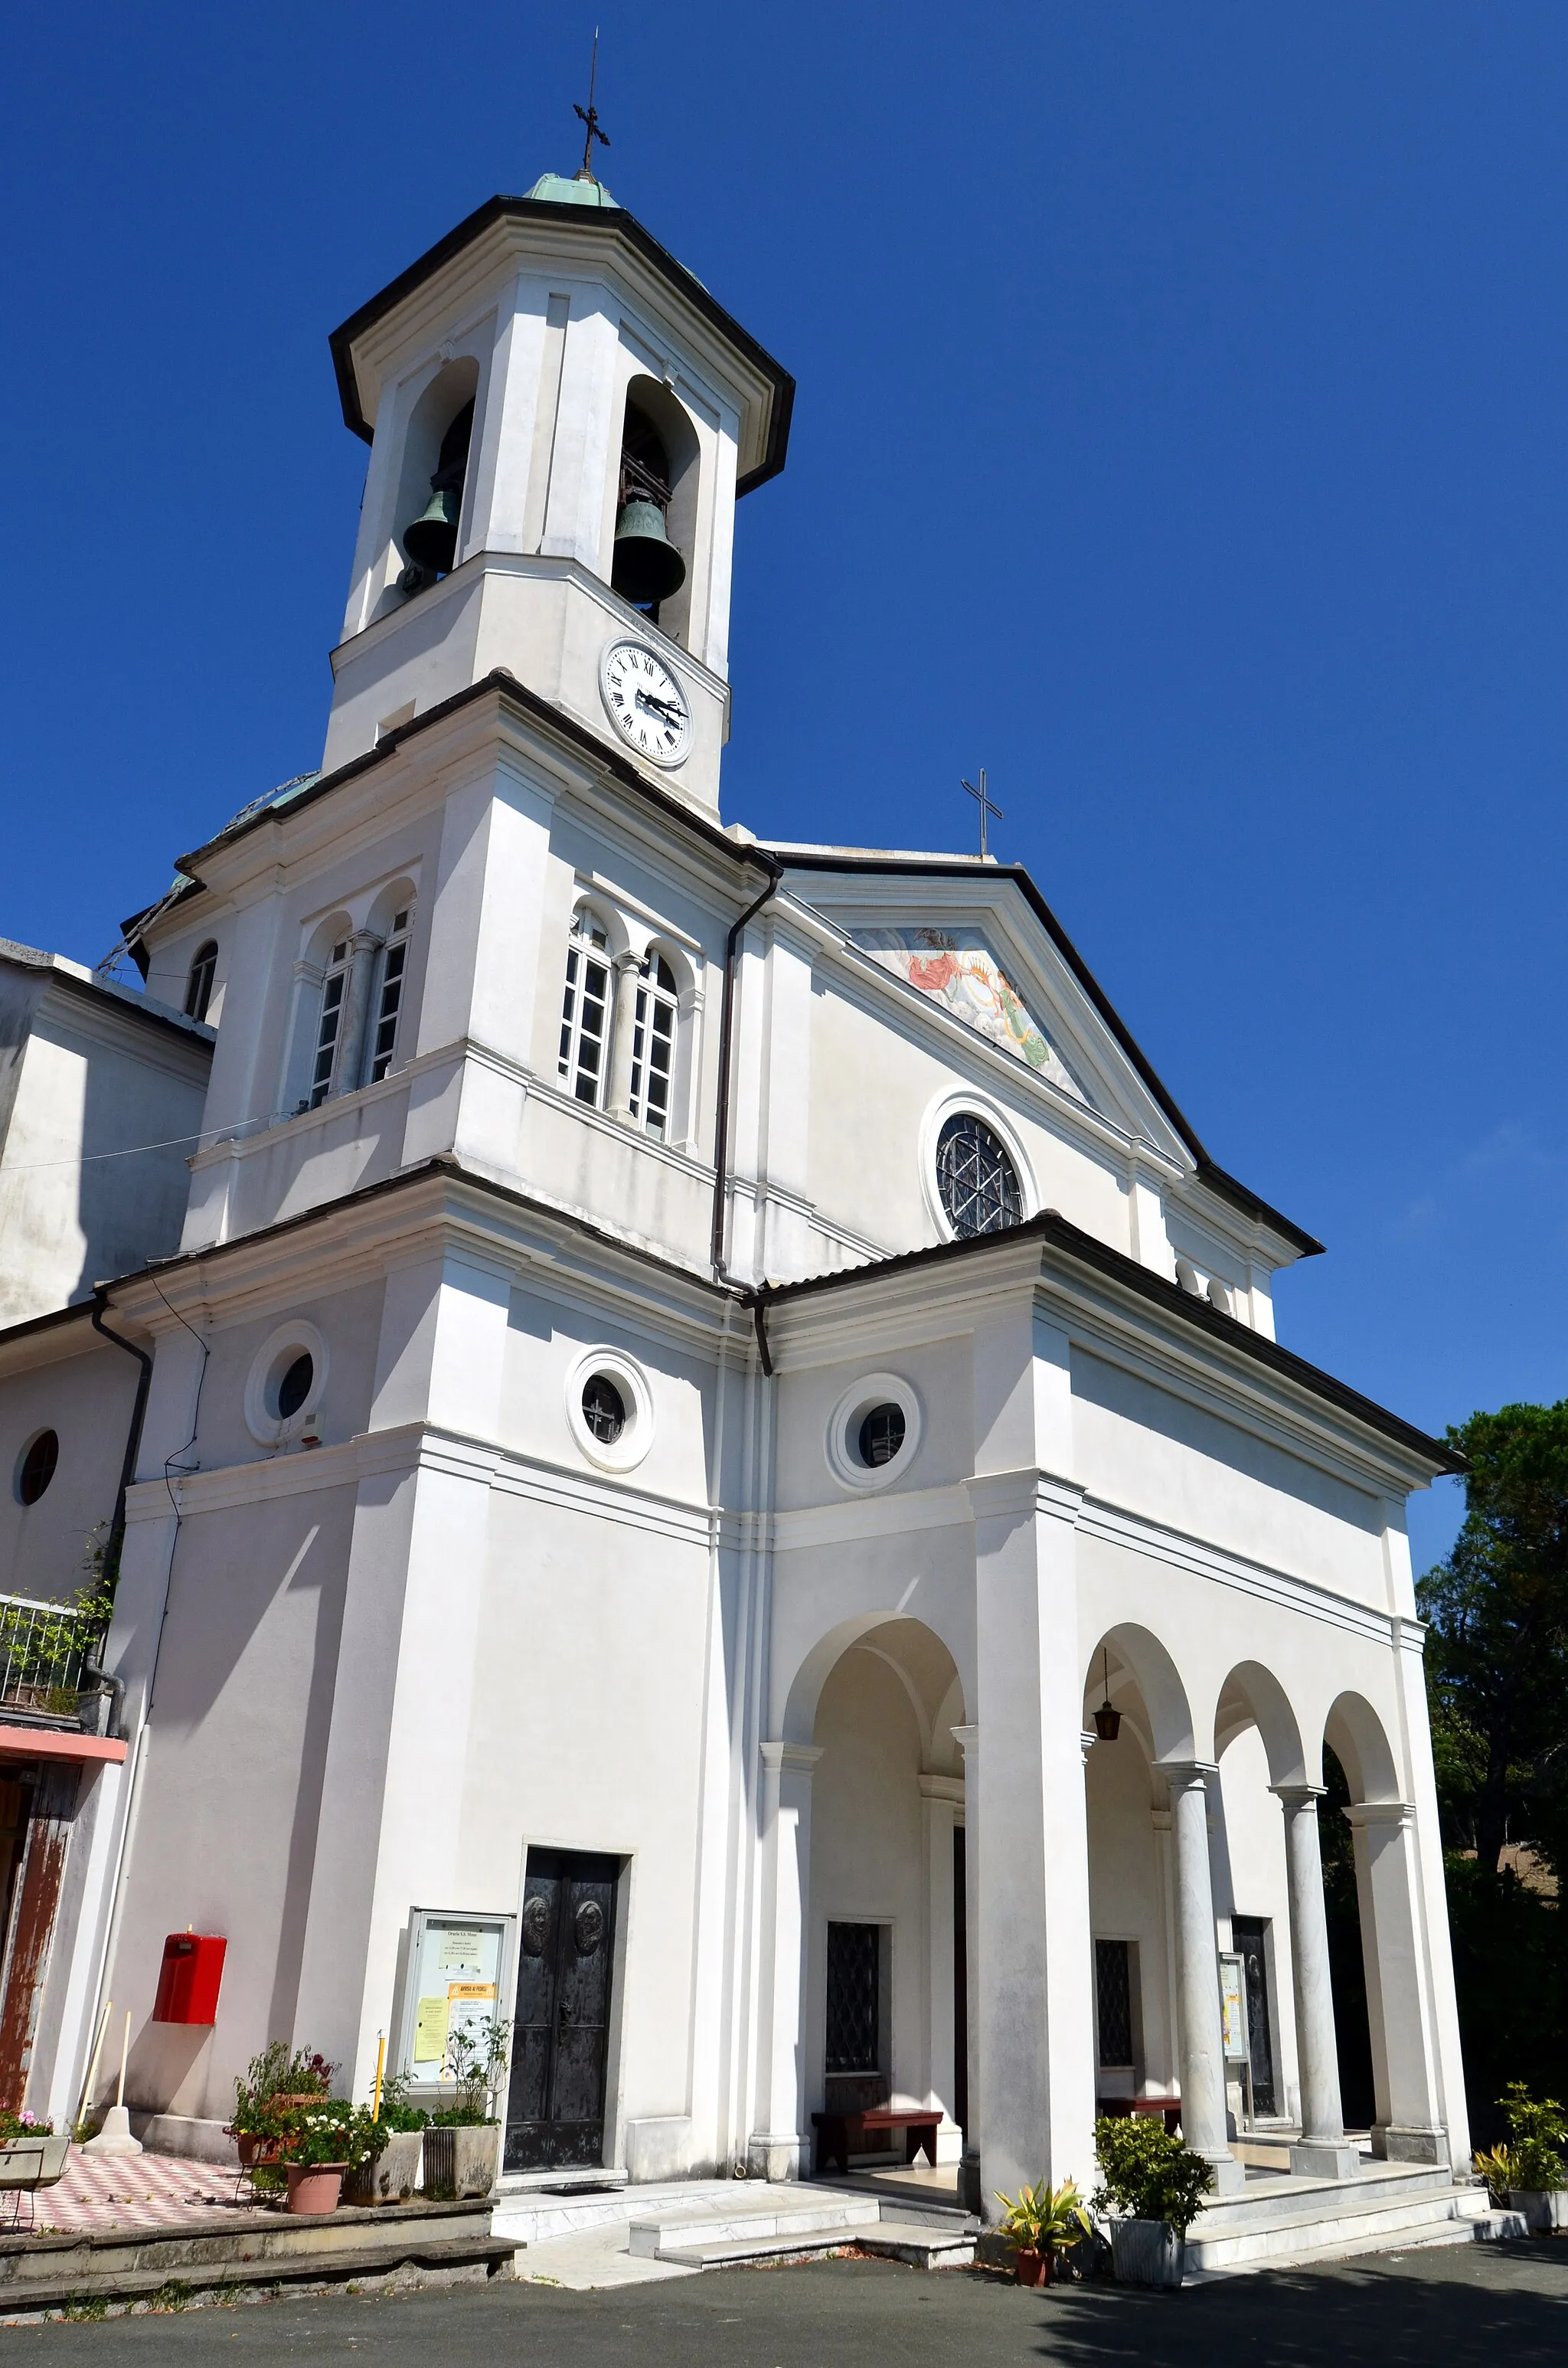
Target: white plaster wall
{"x":86,"y":1400}
{"x":545,"y":1338}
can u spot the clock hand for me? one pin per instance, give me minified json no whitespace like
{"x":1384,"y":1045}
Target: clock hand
{"x":664,"y":707}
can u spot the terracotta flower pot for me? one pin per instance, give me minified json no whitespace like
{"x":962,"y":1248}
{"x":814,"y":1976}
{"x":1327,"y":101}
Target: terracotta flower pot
{"x":314,"y":2187}
{"x":1031,"y":2269}
{"x":253,"y":2149}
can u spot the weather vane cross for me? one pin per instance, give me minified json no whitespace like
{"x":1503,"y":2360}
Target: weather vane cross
{"x":986,"y":808}
{"x":589,"y":117}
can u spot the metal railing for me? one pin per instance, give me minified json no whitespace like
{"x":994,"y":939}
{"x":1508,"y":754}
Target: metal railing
{"x":42,"y":1648}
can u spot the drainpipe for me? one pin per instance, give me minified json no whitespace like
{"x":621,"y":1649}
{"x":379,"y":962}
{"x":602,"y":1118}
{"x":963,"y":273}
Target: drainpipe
{"x":114,"y":1686}
{"x":726,"y":1058}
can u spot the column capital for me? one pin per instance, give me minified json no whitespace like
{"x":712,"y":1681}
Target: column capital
{"x":967,"y":1741}
{"x":801,"y":1758}
{"x":1186,"y":1775}
{"x":1299,"y":1797}
{"x":941,"y":1788}
{"x":1380,"y":1813}
{"x":1086,"y":1740}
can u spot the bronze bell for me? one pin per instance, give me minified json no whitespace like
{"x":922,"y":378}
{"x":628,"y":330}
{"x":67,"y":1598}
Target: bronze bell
{"x":646,"y":567}
{"x":432,"y":541}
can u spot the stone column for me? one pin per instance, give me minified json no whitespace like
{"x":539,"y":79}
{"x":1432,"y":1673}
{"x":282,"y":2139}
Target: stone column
{"x":623,"y":1022}
{"x":941,"y":1803}
{"x":1322,"y":2152}
{"x":1408,"y":2126}
{"x":1200,"y":2040}
{"x":778,"y":2148}
{"x":970,"y":2189}
{"x":362,"y":950}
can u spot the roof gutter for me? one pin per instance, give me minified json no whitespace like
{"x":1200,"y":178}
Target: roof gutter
{"x":726,"y":1060}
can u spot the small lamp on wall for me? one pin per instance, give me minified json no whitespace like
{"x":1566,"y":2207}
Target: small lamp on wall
{"x":1107,"y":1722}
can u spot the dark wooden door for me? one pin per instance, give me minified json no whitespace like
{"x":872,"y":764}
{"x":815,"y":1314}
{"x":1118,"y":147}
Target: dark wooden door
{"x":555,"y":2109}
{"x":1247,"y":1939}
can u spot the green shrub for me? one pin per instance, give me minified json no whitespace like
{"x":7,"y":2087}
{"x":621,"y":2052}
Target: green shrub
{"x":1537,"y":2138}
{"x":1147,"y":2174}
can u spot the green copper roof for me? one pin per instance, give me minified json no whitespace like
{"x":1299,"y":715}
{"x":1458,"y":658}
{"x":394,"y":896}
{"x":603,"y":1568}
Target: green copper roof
{"x":557,"y":191}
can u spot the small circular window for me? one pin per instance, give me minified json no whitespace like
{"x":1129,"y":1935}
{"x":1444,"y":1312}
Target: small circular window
{"x":609,"y":1408}
{"x":881,"y":1435}
{"x":977,"y":1180}
{"x":604,"y":1410}
{"x":873,"y":1431}
{"x":36,"y":1468}
{"x":288,"y":1378}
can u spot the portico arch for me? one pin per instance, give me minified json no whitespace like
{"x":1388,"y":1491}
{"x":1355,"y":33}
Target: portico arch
{"x":1142,"y":1667}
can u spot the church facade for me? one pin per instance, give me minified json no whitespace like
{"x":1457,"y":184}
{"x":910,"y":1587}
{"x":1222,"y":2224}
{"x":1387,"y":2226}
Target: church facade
{"x":710,"y":1473}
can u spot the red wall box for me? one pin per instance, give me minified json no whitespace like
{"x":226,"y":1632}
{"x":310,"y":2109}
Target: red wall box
{"x":188,"y":1978}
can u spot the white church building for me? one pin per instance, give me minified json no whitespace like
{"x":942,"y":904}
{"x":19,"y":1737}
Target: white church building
{"x":702,"y":1456}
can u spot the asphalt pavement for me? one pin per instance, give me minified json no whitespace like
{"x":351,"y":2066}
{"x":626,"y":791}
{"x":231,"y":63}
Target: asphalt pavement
{"x":1459,"y":2306}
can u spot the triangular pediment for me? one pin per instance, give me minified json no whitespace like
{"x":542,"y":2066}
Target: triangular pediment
{"x":982,"y":948}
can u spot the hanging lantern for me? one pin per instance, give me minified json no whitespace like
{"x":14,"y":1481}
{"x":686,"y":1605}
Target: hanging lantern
{"x":1107,"y":1722}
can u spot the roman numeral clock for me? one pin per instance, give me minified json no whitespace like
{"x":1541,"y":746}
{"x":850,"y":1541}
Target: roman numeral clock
{"x":645,"y":702}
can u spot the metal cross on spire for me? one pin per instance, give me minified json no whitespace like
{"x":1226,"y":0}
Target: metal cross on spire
{"x":589,"y":116}
{"x":986,"y":808}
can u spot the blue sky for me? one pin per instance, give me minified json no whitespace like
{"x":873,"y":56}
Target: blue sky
{"x":1180,"y":434}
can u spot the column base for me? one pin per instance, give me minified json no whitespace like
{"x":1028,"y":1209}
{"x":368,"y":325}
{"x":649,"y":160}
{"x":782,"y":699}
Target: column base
{"x":971,"y":2195}
{"x":1324,"y":2158}
{"x":777,"y":2155}
{"x":1230,"y":2176}
{"x":1393,"y":2143}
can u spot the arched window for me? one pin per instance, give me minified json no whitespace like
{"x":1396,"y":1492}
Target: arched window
{"x":654,"y":1045}
{"x":978,"y":1182}
{"x":585,"y":1011}
{"x":430,"y":540}
{"x":199,"y":986}
{"x":647,"y":566}
{"x":329,"y":1027}
{"x":391,"y":971}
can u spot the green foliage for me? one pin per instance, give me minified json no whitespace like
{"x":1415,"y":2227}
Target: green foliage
{"x":397,"y":2113}
{"x":1496,"y":2167}
{"x":1147,"y":2174}
{"x":277,"y":2072}
{"x":1537,"y":2138}
{"x":1511,"y":1979}
{"x":332,"y":2131}
{"x":1044,"y":2219}
{"x":16,"y":2126}
{"x":41,"y":1647}
{"x":477,"y":2061}
{"x":1497,"y":1650}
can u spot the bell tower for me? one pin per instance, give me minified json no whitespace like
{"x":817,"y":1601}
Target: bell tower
{"x":560,"y":421}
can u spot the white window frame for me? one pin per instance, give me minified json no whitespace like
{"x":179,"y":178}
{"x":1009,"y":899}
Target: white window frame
{"x":329,"y":1006}
{"x":653,"y":999}
{"x":386,"y":1002}
{"x":588,"y":952}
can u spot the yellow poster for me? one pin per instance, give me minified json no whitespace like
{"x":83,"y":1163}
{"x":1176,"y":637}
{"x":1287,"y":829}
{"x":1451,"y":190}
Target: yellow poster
{"x":468,"y":1993}
{"x":430,"y":2026}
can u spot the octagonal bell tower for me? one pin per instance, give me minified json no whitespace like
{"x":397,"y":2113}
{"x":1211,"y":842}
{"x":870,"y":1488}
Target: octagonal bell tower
{"x":554,"y":407}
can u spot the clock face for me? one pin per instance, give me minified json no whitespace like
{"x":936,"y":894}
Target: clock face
{"x":646,"y":705}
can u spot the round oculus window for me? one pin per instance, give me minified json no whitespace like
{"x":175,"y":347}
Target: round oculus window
{"x":880,"y":1436}
{"x":294,"y":1385}
{"x":977,"y":1180}
{"x":36,"y":1468}
{"x":604,"y":1410}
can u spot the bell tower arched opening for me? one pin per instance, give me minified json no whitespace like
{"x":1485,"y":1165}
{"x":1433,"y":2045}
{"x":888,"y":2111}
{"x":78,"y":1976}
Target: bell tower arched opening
{"x":656,"y":511}
{"x":434,"y":475}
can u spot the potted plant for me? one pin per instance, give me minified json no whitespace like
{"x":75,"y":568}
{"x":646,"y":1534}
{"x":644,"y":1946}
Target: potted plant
{"x":277,"y":2086}
{"x":1496,"y":2167}
{"x":1039,"y":2223}
{"x":1153,"y":2185}
{"x":328,"y":2141}
{"x":462,"y":2141}
{"x":1537,"y":2159}
{"x":390,"y":2172}
{"x":30,"y":2154}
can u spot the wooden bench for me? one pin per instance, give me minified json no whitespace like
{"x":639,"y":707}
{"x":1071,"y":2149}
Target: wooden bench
{"x":838,"y":2135}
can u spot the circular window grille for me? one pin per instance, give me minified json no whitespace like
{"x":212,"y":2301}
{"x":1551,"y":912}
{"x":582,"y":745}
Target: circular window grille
{"x":978,"y":1182}
{"x":604,"y":1410}
{"x":881,"y":1435}
{"x":36,"y":1468}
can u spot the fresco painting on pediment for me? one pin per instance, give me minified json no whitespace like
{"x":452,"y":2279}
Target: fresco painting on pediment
{"x":957,"y":968}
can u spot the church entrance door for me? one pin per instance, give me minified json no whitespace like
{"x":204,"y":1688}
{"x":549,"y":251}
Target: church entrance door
{"x":556,"y":2107}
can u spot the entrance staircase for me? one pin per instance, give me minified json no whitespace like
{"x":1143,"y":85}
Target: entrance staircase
{"x":1279,"y":2221}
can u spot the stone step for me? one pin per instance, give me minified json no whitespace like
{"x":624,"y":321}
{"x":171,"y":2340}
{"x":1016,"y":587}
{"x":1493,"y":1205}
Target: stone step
{"x":681,"y":2236}
{"x":1272,"y":2197}
{"x":924,"y":2246}
{"x":915,"y":2242}
{"x":1343,"y":2227}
